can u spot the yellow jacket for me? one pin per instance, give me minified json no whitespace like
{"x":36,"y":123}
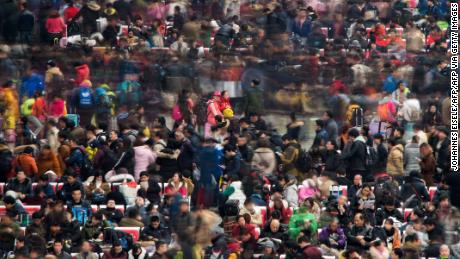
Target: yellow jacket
{"x":9,"y":99}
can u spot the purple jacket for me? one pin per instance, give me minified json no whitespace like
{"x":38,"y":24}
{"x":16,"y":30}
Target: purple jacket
{"x":326,"y":235}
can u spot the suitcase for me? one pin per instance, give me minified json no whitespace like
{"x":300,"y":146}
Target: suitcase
{"x":357,"y":117}
{"x":380,"y":127}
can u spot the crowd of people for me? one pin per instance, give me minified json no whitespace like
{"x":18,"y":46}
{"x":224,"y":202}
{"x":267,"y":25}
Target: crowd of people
{"x":119,"y":139}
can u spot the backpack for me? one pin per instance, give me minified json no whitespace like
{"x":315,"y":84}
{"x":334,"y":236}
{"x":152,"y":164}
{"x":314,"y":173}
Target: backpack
{"x":126,"y":240}
{"x":384,"y":189}
{"x":304,"y":161}
{"x":85,"y":98}
{"x":86,"y":168}
{"x":109,"y":160}
{"x":80,"y":214}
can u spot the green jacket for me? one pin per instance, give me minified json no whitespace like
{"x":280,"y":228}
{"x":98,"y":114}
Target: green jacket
{"x":90,"y":231}
{"x":253,"y":100}
{"x":297,"y":223}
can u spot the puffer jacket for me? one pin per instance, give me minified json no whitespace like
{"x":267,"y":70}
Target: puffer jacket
{"x":395,"y":165}
{"x":52,"y":73}
{"x":143,"y":157}
{"x":307,"y":190}
{"x":264,"y":159}
{"x":48,"y":160}
{"x":411,"y":156}
{"x":356,"y":156}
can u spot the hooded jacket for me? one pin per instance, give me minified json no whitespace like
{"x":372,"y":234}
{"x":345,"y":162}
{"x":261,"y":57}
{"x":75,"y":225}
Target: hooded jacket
{"x":395,"y":164}
{"x":264,"y":159}
{"x":143,"y":157}
{"x":82,"y":74}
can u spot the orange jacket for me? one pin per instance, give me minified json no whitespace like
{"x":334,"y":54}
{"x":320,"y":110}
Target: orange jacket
{"x":28,"y":164}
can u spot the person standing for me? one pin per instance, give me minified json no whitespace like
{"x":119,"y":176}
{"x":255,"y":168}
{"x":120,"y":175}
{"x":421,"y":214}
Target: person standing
{"x":83,"y":102}
{"x":253,"y":99}
{"x":356,"y":155}
{"x":395,"y":163}
{"x":26,"y":22}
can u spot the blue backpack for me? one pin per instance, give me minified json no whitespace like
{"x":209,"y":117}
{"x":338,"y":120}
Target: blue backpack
{"x":85,"y":98}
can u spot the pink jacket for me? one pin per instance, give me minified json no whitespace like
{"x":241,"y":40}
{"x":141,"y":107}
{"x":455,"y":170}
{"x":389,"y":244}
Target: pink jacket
{"x":307,"y":190}
{"x":55,"y":25}
{"x":213,"y":111}
{"x":143,"y":157}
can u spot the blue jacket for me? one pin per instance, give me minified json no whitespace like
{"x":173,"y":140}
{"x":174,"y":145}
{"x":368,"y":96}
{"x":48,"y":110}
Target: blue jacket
{"x":209,"y":161}
{"x":301,"y":31}
{"x":31,"y":84}
{"x":76,"y":158}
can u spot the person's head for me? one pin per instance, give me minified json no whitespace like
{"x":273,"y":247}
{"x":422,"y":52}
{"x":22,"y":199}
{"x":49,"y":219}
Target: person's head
{"x":71,"y":177}
{"x":177,"y":177}
{"x":117,"y":247}
{"x":161,"y":247}
{"x":334,"y":225}
{"x":353,"y":133}
{"x":303,"y":240}
{"x":358,"y":180}
{"x":97,"y":218}
{"x":366,"y":190}
{"x":229,"y":150}
{"x":359,"y":220}
{"x":378,"y":139}
{"x":396,"y":253}
{"x":331,"y":145}
{"x":319,"y":124}
{"x":412,"y":239}
{"x":76,"y":195}
{"x":86,"y":247}
{"x":286,"y":139}
{"x":327,"y":115}
{"x":255,"y":82}
{"x":179,"y":135}
{"x":20,"y":175}
{"x":57,"y":246}
{"x":155,"y":221}
{"x":249,"y":204}
{"x":9,"y":202}
{"x":444,"y":251}
{"x":241,"y":220}
{"x":184,"y":206}
{"x":253,"y":117}
{"x":133,"y":213}
{"x":73,"y":142}
{"x":241,"y":141}
{"x":111,"y":204}
{"x":443,"y":132}
{"x":398,"y":132}
{"x":432,"y":108}
{"x":388,"y":224}
{"x":302,"y":13}
{"x":444,"y":201}
{"x":274,"y":225}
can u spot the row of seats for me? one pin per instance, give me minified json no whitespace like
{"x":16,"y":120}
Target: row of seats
{"x":30,"y":209}
{"x":344,"y":190}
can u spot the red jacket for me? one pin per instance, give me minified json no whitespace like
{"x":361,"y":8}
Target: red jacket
{"x":55,"y":25}
{"x":57,"y":108}
{"x":70,"y":12}
{"x":311,"y":252}
{"x":82,"y":74}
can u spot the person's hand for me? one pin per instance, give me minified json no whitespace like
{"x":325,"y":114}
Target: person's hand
{"x":362,"y":242}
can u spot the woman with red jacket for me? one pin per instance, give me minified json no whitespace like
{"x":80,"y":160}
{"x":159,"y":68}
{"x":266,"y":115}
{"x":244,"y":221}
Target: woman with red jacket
{"x":245,"y":232}
{"x":55,"y":27}
{"x":176,"y":186}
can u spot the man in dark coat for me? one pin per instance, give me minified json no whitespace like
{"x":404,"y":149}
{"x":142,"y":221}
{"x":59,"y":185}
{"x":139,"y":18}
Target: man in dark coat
{"x":414,"y":191}
{"x":356,"y":156}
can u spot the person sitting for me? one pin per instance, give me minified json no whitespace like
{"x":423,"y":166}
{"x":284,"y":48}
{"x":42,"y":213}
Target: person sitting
{"x":388,"y":210}
{"x":27,"y":162}
{"x":20,"y":186}
{"x":256,"y":217}
{"x":12,"y":205}
{"x":111,"y":213}
{"x":86,"y":251}
{"x":243,"y":226}
{"x":80,"y":208}
{"x":176,"y":185}
{"x":333,"y":235}
{"x":116,"y":252}
{"x":275,"y":230}
{"x":155,"y":231}
{"x":94,"y":229}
